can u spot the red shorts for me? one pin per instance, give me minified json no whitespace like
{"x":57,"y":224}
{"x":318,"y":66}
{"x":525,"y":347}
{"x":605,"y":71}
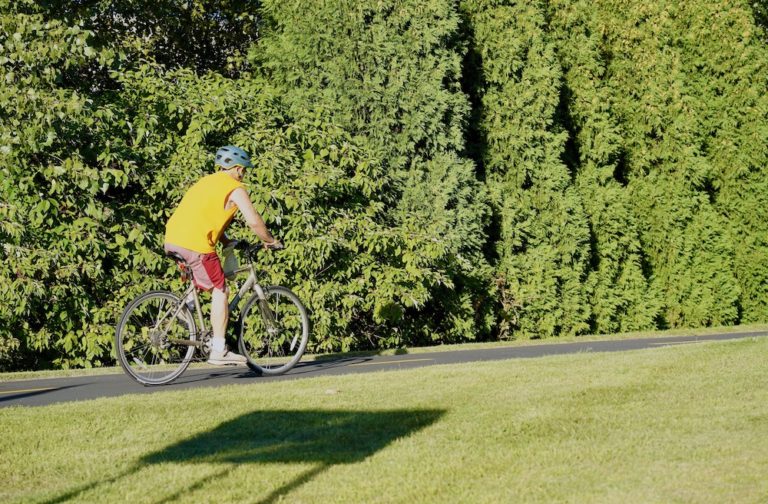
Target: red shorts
{"x":206,"y":268}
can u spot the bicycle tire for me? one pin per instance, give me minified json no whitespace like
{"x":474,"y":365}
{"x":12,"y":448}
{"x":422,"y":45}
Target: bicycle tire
{"x":141,"y":338}
{"x":274,"y":354}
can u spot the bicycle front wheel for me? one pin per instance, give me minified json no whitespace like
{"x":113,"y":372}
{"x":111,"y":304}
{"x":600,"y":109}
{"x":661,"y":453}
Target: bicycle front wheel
{"x":273,"y":332}
{"x":155,"y":339}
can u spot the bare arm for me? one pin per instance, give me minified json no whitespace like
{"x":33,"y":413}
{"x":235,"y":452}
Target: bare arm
{"x":240,"y":198}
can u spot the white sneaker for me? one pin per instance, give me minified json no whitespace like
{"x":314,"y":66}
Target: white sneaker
{"x":225,"y":358}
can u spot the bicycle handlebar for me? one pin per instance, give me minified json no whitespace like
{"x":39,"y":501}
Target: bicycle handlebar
{"x":251,"y":249}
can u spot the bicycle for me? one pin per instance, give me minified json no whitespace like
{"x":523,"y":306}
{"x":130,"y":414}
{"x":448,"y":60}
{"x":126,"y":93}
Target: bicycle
{"x":157,"y":334}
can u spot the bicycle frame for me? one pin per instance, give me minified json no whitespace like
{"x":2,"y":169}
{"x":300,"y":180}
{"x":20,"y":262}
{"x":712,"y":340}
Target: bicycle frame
{"x":250,"y":283}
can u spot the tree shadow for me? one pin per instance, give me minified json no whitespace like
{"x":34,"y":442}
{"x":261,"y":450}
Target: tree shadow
{"x":320,"y":438}
{"x":323,"y":438}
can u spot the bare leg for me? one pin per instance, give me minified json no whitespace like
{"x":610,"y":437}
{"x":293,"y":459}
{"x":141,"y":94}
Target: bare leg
{"x":219,"y":317}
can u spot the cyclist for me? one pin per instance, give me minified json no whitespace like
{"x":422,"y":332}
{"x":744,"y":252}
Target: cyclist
{"x":199,"y":222}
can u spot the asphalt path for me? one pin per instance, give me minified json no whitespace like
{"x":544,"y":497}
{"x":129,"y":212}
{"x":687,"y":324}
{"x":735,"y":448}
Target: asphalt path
{"x":55,"y":390}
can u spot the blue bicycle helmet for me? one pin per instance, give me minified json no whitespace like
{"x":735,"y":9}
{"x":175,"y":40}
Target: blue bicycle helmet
{"x":230,"y":156}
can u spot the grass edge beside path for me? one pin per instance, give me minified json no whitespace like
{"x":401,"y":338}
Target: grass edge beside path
{"x":668,"y":333}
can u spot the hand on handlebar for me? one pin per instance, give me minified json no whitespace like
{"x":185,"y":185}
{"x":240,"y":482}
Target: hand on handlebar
{"x":245,"y":245}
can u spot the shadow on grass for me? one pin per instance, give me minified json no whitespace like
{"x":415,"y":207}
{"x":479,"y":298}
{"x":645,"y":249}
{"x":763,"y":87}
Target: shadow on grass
{"x":324,"y":438}
{"x":321,"y":438}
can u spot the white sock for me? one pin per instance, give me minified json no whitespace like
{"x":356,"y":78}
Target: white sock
{"x":217,"y":344}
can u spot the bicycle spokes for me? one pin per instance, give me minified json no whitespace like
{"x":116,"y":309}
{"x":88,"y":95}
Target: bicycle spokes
{"x":274,"y":331}
{"x":149,"y":336}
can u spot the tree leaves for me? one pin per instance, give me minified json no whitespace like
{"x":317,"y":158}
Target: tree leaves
{"x":616,"y":181}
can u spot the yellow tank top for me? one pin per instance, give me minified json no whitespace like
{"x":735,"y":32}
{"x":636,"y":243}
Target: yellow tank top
{"x":200,"y":219}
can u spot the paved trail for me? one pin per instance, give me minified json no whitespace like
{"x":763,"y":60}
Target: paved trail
{"x":54,"y":390}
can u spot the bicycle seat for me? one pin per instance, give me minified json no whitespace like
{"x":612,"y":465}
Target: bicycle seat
{"x":176,"y":257}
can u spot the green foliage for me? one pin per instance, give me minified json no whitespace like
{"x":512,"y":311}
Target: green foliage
{"x":84,"y":192}
{"x":728,"y":104}
{"x":666,"y":151}
{"x":619,"y":291}
{"x":200,"y":34}
{"x":8,"y":351}
{"x":760,"y":11}
{"x":618,"y":179}
{"x":388,"y":71}
{"x":54,"y":214}
{"x":389,"y":74}
{"x":670,"y":77}
{"x":96,"y":172}
{"x":544,"y":239}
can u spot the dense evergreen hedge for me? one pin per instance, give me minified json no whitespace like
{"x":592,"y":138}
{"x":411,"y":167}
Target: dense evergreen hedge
{"x":441,"y":170}
{"x":676,"y":95}
{"x":544,"y":238}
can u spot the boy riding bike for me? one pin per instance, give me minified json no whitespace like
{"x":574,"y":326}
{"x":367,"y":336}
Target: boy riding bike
{"x":198,"y":224}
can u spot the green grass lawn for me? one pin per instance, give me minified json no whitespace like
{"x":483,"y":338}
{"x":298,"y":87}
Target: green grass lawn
{"x":686,"y":423}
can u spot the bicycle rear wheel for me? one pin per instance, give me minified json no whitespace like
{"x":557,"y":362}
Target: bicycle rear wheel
{"x":152,"y":345}
{"x":273,"y":334}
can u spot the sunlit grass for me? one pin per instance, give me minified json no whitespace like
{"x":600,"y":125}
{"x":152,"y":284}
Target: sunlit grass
{"x":677,"y":424}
